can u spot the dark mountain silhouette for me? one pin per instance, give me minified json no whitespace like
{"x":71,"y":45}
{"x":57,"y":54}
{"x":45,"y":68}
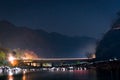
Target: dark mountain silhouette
{"x":43,"y":43}
{"x":109,"y":46}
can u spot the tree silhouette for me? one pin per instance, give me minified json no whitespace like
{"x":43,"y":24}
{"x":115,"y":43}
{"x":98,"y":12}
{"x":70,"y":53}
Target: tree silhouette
{"x":2,"y":58}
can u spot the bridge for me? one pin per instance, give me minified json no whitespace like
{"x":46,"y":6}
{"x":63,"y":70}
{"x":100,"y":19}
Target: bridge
{"x":58,"y":59}
{"x":50,"y":62}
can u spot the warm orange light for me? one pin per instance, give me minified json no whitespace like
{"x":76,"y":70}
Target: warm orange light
{"x":12,"y":60}
{"x":10,"y":76}
{"x":15,"y":63}
{"x":29,"y":55}
{"x":93,"y":56}
{"x":24,"y":76}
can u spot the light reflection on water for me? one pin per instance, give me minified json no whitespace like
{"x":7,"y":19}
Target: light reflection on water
{"x":10,"y":76}
{"x":24,"y":76}
{"x":53,"y":75}
{"x":62,"y":75}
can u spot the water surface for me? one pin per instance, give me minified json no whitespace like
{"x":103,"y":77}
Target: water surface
{"x":62,"y":75}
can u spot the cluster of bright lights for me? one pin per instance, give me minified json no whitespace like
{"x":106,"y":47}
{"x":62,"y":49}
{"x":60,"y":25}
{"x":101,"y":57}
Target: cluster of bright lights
{"x":11,"y":58}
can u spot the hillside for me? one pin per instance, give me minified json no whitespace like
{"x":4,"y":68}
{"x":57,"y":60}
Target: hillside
{"x":43,"y":43}
{"x":109,"y":46}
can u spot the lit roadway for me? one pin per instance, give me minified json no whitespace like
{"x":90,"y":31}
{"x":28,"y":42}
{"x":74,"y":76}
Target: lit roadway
{"x":57,"y":59}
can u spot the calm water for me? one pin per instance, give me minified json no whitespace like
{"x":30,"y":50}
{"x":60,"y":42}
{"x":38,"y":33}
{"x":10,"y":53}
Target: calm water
{"x":63,"y":75}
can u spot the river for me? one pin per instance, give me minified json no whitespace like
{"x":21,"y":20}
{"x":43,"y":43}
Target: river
{"x":63,"y":75}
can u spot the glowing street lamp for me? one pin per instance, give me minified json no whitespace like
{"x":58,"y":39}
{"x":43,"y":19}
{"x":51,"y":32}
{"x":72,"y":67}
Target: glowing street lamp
{"x":11,"y":58}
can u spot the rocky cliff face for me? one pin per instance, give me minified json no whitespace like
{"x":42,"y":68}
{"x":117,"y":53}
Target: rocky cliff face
{"x":109,"y":46}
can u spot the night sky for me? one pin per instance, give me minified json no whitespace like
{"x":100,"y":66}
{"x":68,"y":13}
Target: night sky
{"x":71,"y":17}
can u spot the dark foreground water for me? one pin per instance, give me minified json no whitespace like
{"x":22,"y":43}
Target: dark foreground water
{"x":63,"y":75}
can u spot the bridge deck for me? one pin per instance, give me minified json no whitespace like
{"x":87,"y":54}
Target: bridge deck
{"x":57,"y":59}
{"x":51,"y":59}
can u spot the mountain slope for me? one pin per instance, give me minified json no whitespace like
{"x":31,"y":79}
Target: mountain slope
{"x":109,"y":46}
{"x":43,"y":43}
